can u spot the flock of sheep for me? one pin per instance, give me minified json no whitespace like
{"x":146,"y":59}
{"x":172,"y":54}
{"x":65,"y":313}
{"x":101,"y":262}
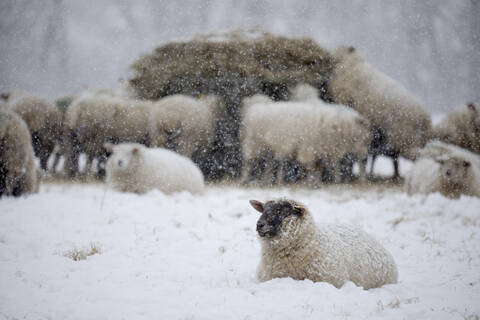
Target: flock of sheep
{"x":371,"y":115}
{"x":127,"y":140}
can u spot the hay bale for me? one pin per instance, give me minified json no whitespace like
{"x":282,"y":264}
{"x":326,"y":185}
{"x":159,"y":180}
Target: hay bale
{"x":232,"y":66}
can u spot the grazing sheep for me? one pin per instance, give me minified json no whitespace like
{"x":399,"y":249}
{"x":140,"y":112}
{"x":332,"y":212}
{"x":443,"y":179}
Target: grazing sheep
{"x":187,"y":122}
{"x":293,"y":246}
{"x":461,"y":127}
{"x":398,"y":121}
{"x":95,"y":118}
{"x":17,"y":168}
{"x":43,"y":121}
{"x":305,"y":132}
{"x":444,"y":168}
{"x":133,"y":167}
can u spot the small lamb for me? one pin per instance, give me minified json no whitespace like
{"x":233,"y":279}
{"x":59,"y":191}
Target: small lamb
{"x":292,"y":246}
{"x":133,"y":167}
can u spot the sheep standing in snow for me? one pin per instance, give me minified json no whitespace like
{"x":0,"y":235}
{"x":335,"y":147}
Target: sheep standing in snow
{"x":303,"y":131}
{"x":96,"y":118}
{"x":399,"y":123}
{"x":444,"y":168}
{"x":43,"y":121}
{"x":184,"y":124}
{"x":133,"y":167}
{"x":293,"y":246}
{"x":17,"y":168}
{"x":461,"y":127}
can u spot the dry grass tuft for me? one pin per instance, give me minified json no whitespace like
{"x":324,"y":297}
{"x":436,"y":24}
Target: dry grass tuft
{"x":77,"y":254}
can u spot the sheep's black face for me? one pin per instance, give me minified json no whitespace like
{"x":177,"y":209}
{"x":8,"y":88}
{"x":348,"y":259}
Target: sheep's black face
{"x":273,"y":214}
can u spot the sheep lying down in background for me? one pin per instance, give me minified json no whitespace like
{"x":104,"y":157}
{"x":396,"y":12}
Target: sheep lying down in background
{"x":133,"y":167}
{"x":444,"y":168}
{"x":293,"y":246}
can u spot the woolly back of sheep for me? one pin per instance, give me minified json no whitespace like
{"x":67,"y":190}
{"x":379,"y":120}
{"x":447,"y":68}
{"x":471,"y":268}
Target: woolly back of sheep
{"x":231,"y":66}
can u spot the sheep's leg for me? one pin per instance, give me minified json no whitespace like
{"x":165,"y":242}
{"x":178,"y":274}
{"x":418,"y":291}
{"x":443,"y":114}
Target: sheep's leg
{"x":88,"y":167}
{"x":282,"y":171}
{"x":396,"y":173}
{"x":56,"y":159}
{"x":337,"y":178}
{"x":44,"y":161}
{"x":374,"y":157}
{"x":363,"y":168}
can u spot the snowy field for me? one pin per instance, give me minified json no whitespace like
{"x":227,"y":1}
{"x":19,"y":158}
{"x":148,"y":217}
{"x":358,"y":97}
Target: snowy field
{"x":81,"y":251}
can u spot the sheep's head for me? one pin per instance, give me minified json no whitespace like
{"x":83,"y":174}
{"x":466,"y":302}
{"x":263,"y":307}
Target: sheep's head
{"x":454,"y":173}
{"x":347,"y":52}
{"x":123,"y":157}
{"x":275,"y":215}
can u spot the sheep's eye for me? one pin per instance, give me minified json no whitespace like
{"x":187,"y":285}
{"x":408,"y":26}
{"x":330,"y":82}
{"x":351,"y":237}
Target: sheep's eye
{"x":120,"y":163}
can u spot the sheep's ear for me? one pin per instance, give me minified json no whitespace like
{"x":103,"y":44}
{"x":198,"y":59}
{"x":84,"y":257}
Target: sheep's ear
{"x":298,"y":209}
{"x":108,"y":146}
{"x":257,"y":205}
{"x":466,"y":164}
{"x":471,"y":106}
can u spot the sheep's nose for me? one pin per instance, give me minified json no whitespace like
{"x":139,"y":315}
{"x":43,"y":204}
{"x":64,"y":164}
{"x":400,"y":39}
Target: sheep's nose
{"x":448,"y":173}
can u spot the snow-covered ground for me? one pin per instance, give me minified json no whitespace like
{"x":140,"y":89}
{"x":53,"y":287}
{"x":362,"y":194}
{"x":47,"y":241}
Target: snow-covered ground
{"x":195,"y":257}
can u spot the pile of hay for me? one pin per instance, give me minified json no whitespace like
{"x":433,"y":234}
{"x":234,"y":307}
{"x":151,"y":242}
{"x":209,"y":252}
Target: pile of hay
{"x":232,"y":66}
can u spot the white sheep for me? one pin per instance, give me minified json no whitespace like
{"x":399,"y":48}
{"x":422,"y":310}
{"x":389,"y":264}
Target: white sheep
{"x":444,"y":168}
{"x":18,"y":174}
{"x":461,"y":127}
{"x":188,"y":122}
{"x":133,"y":167}
{"x":399,"y":122}
{"x":293,"y":246}
{"x":43,"y":121}
{"x":95,"y":118}
{"x":303,"y":131}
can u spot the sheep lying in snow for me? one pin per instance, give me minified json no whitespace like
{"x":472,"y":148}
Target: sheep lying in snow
{"x":461,"y":127}
{"x":95,"y":118}
{"x":133,"y":167}
{"x":187,"y":122}
{"x":446,"y":169}
{"x":303,"y":131}
{"x":17,"y":168}
{"x":42,"y":119}
{"x":399,"y":123}
{"x":292,"y":246}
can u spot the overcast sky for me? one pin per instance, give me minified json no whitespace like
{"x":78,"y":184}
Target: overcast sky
{"x":55,"y":47}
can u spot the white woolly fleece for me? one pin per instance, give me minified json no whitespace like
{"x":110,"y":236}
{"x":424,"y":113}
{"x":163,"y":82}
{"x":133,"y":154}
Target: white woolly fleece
{"x":325,"y":253}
